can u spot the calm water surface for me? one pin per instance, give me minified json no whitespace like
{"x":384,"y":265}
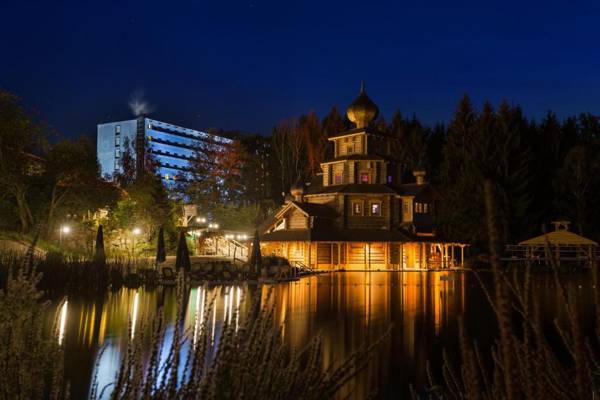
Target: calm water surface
{"x":347,"y":309}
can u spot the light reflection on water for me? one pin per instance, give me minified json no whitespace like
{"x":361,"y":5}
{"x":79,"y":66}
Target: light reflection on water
{"x":346,"y":309}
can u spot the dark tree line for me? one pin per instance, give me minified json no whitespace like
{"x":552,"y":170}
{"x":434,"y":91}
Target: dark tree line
{"x":541,"y":170}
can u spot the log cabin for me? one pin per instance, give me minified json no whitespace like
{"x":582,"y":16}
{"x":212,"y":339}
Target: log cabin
{"x":358,"y":214}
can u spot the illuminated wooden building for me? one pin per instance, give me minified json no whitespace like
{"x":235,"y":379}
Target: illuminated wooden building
{"x":358,"y":214}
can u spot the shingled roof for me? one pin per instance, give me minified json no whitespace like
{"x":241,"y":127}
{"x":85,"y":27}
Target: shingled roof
{"x":561,"y":237}
{"x":336,"y":235}
{"x":368,"y":130}
{"x":356,"y":157}
{"x":411,"y":189}
{"x":316,"y":209}
{"x":351,"y":188}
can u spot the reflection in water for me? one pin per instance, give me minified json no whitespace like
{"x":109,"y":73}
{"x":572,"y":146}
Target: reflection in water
{"x":136,"y":298}
{"x":345,"y":309}
{"x":62,"y":322}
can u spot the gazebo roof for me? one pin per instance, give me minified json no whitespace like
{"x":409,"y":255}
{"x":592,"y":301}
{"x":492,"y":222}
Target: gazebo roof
{"x":560,"y":237}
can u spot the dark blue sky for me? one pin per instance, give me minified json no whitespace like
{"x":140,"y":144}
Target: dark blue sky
{"x":249,"y":65}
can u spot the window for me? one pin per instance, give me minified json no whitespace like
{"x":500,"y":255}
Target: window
{"x":117,"y":140}
{"x":338,"y":179}
{"x":364,"y":177}
{"x":421,"y":208}
{"x":405,"y":205}
{"x":389,"y":179}
{"x":117,"y":129}
{"x":350,"y":149}
{"x":357,"y":208}
{"x":117,"y":153}
{"x":376,"y":208}
{"x":116,"y":164}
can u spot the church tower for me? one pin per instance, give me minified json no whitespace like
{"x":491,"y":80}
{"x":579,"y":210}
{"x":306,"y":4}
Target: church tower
{"x":361,"y":155}
{"x":357,"y":214}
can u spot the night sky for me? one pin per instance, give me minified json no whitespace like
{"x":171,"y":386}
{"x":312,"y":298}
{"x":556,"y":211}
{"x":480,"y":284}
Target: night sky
{"x":249,"y":65}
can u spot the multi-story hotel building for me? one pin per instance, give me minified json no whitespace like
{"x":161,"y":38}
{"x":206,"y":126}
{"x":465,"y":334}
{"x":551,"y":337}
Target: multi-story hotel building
{"x":172,"y":146}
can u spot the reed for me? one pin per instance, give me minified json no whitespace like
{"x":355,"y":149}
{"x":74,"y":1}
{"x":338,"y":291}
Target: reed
{"x":524,"y":364}
{"x":246,"y":362}
{"x":31,"y":360}
{"x":61,"y":274}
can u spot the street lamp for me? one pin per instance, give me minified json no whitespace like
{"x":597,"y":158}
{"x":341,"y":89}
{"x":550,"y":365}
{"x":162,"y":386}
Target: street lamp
{"x":135,"y":231}
{"x":64,"y":230}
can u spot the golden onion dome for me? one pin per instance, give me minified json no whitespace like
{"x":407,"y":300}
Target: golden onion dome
{"x":297,"y":190}
{"x":362,"y":111}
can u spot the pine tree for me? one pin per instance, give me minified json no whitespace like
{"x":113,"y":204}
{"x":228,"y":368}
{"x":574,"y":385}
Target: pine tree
{"x":510,"y":170}
{"x":460,"y":211}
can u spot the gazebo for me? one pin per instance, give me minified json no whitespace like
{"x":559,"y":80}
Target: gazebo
{"x":560,"y":245}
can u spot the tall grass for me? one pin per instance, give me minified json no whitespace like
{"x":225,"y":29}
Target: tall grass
{"x":525,"y":364}
{"x":61,"y":274}
{"x":246,"y":362}
{"x":31,"y":360}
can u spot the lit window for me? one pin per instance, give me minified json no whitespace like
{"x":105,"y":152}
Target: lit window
{"x":357,"y":208}
{"x":117,"y":140}
{"x":117,"y":153}
{"x":405,"y":206}
{"x":376,"y":209}
{"x":425,"y":208}
{"x":117,"y":129}
{"x":338,"y":179}
{"x":167,"y":176}
{"x":364,"y":178}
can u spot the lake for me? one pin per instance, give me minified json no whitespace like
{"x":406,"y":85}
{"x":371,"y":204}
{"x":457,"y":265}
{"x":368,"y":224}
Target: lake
{"x":346,"y":308}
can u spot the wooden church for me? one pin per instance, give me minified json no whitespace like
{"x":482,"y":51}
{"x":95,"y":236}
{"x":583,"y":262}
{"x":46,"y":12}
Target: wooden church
{"x":358,"y":214}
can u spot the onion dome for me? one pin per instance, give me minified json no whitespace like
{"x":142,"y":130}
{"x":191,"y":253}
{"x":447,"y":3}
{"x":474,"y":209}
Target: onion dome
{"x":297,"y":190}
{"x":362,"y":111}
